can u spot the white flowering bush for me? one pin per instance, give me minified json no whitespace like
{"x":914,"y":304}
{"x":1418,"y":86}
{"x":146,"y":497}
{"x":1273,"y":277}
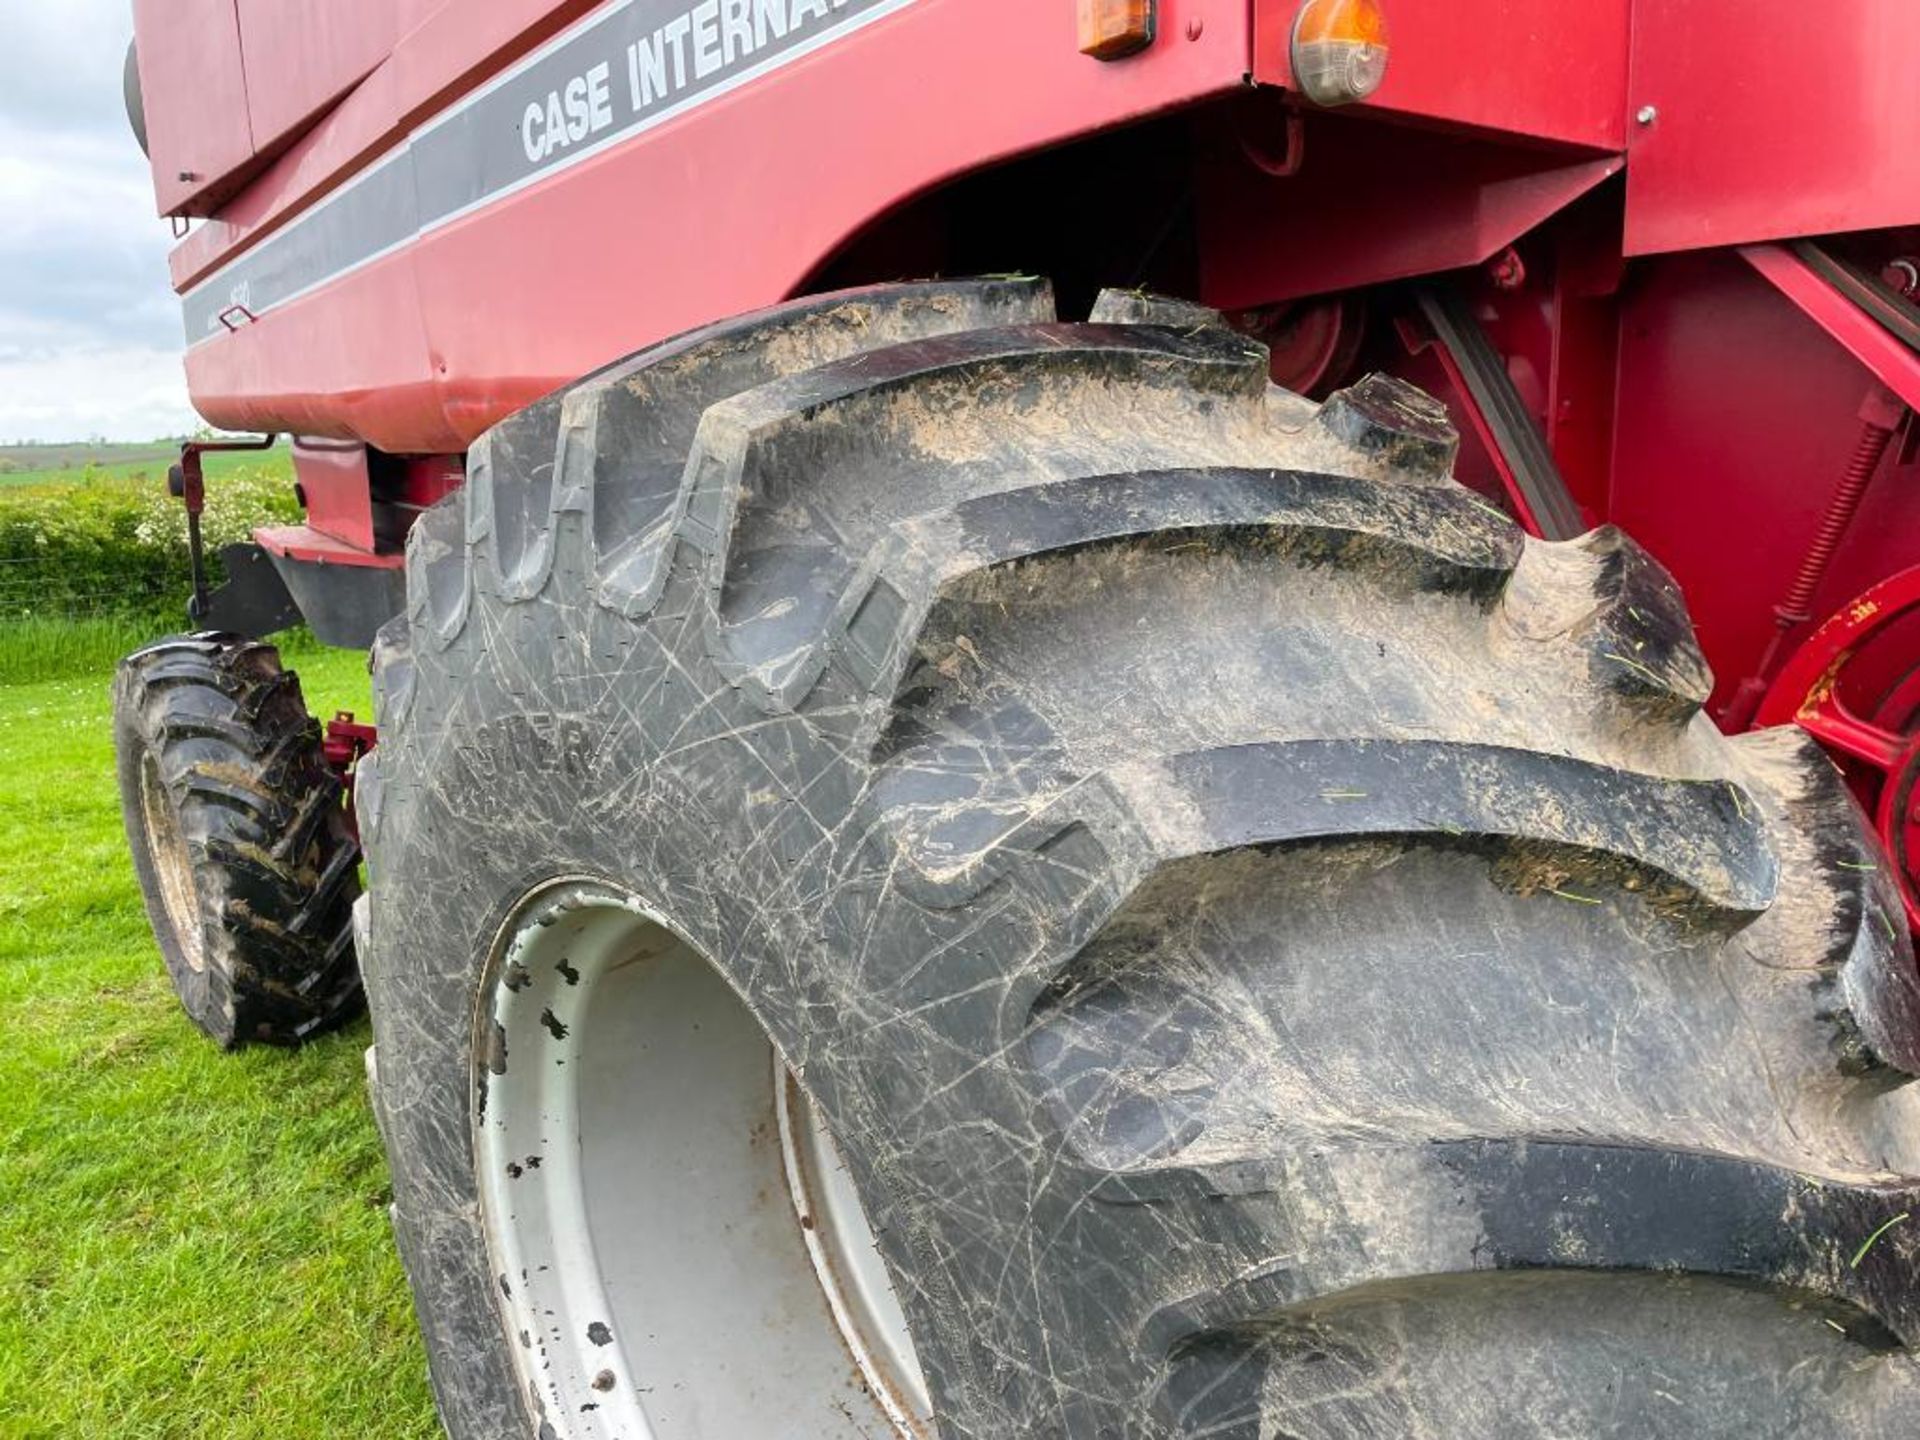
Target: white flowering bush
{"x":114,"y":545}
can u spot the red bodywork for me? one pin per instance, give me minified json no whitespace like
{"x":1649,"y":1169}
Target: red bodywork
{"x":1610,"y":187}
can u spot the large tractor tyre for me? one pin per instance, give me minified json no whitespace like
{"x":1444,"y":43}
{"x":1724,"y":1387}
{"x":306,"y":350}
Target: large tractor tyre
{"x":244,"y":852}
{"x":945,"y":873}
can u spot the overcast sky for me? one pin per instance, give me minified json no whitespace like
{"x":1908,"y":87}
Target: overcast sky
{"x":90,"y":335}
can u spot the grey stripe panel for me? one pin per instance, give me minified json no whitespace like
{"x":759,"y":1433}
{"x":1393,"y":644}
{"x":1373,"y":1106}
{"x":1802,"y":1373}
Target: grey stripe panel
{"x":372,"y":215}
{"x":631,"y":66}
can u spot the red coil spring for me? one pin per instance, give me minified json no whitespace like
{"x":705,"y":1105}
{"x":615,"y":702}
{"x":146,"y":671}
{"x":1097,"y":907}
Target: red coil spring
{"x":1797,"y":608}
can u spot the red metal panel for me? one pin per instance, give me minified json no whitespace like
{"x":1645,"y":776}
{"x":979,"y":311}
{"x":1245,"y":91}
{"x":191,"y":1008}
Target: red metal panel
{"x":1737,"y":415}
{"x":356,"y":129}
{"x":458,"y":41}
{"x":1557,"y":71}
{"x":1891,"y":362}
{"x":445,"y":46}
{"x":302,"y":55}
{"x":609,"y":255}
{"x":357,"y":355}
{"x":1582,"y":337}
{"x":196,"y":97}
{"x":1375,"y":202}
{"x":1775,"y":119}
{"x":303,"y":542}
{"x":336,"y":488}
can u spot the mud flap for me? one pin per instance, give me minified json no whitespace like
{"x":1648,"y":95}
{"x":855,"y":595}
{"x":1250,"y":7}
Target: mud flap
{"x":254,"y":602}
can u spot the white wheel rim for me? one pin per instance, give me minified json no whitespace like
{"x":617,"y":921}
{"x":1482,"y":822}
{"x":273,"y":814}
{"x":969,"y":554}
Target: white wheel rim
{"x":679,"y":1253}
{"x":172,"y":863}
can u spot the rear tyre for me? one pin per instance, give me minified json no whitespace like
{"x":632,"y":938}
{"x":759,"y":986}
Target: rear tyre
{"x":1275,"y":951}
{"x":245,"y":856}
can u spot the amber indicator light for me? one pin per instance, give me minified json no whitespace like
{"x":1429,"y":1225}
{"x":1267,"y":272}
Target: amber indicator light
{"x":1339,"y":50}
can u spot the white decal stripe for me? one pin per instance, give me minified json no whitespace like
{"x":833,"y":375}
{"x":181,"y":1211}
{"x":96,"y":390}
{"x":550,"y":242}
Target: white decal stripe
{"x":293,"y":262}
{"x":692,"y":102}
{"x":592,"y":20}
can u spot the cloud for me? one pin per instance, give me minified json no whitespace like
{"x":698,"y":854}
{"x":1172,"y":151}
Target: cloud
{"x":77,"y":391}
{"x":89,"y":327}
{"x":57,"y":59}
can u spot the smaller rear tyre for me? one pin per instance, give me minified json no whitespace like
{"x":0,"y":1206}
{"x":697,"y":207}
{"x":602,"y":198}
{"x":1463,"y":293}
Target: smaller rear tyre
{"x":245,"y":854}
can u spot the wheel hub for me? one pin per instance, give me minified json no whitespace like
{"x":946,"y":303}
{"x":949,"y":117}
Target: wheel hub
{"x":679,"y":1250}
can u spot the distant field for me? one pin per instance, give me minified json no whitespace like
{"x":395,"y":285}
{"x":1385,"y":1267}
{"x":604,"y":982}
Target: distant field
{"x":62,"y":464}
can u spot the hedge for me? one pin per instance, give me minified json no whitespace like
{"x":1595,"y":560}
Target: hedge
{"x":109,"y":545}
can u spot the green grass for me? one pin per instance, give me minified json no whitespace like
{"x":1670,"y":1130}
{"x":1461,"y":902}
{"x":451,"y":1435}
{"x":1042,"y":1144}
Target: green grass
{"x":73,"y":464}
{"x":35,"y":648}
{"x":191,"y":1244}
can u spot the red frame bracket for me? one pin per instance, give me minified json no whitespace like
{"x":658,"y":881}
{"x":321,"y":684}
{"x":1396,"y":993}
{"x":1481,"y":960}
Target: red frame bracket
{"x":343,"y":742}
{"x":1892,"y":363}
{"x":187,"y":481}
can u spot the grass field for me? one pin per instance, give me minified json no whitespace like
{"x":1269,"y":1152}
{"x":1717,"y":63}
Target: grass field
{"x":191,"y":1243}
{"x":62,"y":464}
{"x":52,"y":648}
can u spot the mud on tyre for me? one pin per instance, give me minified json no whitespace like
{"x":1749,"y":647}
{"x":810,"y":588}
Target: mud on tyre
{"x":244,"y":853}
{"x":1275,"y":950}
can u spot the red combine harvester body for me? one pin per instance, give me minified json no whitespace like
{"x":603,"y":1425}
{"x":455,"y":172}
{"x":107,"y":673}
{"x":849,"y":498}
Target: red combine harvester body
{"x":1592,"y":181}
{"x":1659,"y":261}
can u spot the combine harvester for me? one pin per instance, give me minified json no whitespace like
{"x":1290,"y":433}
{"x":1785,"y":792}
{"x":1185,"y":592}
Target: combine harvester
{"x":1118,"y":849}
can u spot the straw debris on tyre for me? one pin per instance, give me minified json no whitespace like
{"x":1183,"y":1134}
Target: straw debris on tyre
{"x":1275,"y":950}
